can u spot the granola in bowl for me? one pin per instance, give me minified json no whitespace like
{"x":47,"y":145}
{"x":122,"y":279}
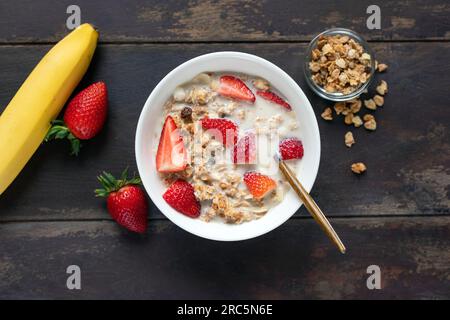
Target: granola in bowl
{"x":216,"y":147}
{"x":339,"y":64}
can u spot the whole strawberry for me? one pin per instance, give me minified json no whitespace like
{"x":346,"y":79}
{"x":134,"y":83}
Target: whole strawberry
{"x":126,"y":201}
{"x":84,"y":117}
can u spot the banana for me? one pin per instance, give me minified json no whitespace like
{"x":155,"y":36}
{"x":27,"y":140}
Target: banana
{"x":26,"y":120}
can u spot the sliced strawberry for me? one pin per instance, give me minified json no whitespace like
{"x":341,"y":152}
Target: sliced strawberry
{"x":291,"y":148}
{"x":233,"y":87}
{"x":224,"y":130}
{"x":171,"y":155}
{"x":258,"y":184}
{"x":180,"y":196}
{"x":245,"y":150}
{"x":268,"y":95}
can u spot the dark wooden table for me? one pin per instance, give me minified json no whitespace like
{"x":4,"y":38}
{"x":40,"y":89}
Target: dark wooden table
{"x":396,"y":216}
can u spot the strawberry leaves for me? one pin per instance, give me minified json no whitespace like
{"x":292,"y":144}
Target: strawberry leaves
{"x":59,"y":130}
{"x":111,"y":184}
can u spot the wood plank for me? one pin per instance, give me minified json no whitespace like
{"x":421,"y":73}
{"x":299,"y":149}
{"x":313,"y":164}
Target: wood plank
{"x":225,"y":20}
{"x":295,"y":261}
{"x":408,"y":157}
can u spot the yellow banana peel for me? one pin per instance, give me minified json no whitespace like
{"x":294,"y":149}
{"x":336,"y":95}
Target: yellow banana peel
{"x":26,"y":120}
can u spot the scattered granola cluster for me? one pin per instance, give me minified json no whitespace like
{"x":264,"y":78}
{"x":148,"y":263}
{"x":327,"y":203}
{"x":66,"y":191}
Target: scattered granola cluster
{"x":358,"y":167}
{"x":340,"y":64}
{"x":350,"y":111}
{"x":349,"y":139}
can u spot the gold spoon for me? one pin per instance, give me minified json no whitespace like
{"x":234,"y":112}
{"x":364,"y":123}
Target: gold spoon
{"x":309,"y":203}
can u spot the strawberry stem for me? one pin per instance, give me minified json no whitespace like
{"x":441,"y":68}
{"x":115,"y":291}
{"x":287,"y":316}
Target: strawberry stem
{"x":111,"y":184}
{"x":59,"y":130}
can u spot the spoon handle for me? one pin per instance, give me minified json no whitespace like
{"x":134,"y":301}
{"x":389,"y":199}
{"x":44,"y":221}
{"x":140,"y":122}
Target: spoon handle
{"x":311,"y":205}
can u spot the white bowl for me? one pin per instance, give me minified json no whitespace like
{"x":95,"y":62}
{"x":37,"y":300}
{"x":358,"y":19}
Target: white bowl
{"x":150,"y":121}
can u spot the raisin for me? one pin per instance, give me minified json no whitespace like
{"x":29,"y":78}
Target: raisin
{"x":186,"y":113}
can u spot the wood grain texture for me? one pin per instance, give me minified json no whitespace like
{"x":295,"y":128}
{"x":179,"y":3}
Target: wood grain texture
{"x":295,"y":261}
{"x":223,"y":20}
{"x":408,"y":157}
{"x":396,"y":216}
